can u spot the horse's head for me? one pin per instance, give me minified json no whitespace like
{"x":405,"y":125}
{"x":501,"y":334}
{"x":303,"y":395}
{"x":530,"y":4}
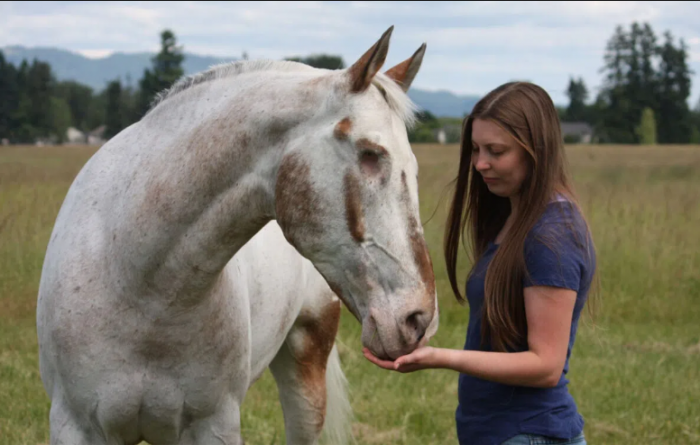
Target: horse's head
{"x":347,"y":199}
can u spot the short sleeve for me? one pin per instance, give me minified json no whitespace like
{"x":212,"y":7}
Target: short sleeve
{"x":552,"y":258}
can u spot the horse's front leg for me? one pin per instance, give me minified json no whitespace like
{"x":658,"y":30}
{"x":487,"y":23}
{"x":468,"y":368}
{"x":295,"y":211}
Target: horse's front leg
{"x":300,"y":372}
{"x":223,"y":427}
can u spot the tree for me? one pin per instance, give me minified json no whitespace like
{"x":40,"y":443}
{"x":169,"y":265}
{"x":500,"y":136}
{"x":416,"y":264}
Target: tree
{"x":424,"y":131}
{"x":578,"y":95}
{"x":22,"y":129}
{"x":79,"y":98}
{"x":646,"y":131}
{"x":695,"y":133}
{"x":325,"y":61}
{"x":630,"y":84}
{"x":9,"y":96}
{"x":114,"y":112}
{"x":33,"y":105}
{"x":61,"y":118}
{"x":675,"y":119}
{"x":39,"y":89}
{"x":166,"y":70}
{"x":97,"y":111}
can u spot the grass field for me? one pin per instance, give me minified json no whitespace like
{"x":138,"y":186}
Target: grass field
{"x":635,"y":375}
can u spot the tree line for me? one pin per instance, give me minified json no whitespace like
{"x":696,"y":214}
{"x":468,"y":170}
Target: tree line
{"x":645,"y":92}
{"x":35,"y":106}
{"x":644,"y":97}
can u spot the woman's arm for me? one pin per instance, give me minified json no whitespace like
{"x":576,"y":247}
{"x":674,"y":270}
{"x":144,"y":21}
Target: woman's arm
{"x":549,"y":311}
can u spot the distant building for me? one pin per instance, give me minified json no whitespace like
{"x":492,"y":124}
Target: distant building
{"x":97,"y":136}
{"x":448,"y":134}
{"x":441,"y":136}
{"x":577,"y":132}
{"x":75,"y":136}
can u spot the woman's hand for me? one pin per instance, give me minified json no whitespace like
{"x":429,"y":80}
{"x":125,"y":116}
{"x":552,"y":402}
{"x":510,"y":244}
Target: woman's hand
{"x":422,"y":358}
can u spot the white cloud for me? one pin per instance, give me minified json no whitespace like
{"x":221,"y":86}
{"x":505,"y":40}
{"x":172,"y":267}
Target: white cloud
{"x":95,"y":53}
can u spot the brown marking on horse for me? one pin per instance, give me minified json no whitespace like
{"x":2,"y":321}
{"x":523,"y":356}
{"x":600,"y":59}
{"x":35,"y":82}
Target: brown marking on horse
{"x":404,"y":73}
{"x":295,"y":204}
{"x":342,"y":129}
{"x":420,"y":250}
{"x":353,"y":207}
{"x":319,"y":331}
{"x":366,"y":144}
{"x":203,"y":148}
{"x":363,"y":71}
{"x":398,"y":72}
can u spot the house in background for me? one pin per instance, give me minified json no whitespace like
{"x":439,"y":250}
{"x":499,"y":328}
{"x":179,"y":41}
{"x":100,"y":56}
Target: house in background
{"x":75,"y":136}
{"x":577,"y":132}
{"x":94,"y":137}
{"x":97,"y":136}
{"x":448,"y":134}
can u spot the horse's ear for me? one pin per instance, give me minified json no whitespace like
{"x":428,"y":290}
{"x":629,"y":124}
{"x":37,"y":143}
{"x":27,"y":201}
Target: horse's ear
{"x":406,"y":71}
{"x":363,"y":71}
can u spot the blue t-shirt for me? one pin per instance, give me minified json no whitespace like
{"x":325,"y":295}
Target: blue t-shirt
{"x":489,"y":412}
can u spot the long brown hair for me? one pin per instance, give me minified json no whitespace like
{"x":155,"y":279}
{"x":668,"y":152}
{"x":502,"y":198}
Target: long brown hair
{"x":528,"y":114}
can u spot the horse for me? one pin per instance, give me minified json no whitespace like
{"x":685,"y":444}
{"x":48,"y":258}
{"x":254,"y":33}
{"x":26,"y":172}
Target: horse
{"x":294,"y":322}
{"x":147,"y":332}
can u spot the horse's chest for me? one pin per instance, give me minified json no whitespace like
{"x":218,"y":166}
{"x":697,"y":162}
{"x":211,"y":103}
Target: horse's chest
{"x":206,"y":342}
{"x":189,"y":369}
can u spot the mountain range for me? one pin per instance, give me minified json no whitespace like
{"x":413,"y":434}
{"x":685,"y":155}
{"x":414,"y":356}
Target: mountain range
{"x":68,"y":65}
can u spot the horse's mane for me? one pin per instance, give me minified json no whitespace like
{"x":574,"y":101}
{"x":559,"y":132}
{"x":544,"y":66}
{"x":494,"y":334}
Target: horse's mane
{"x":398,"y":101}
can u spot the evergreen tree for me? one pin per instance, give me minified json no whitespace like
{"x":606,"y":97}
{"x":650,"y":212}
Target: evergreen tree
{"x":166,"y":70}
{"x":23,"y":131}
{"x":9,"y":97}
{"x":325,"y":61}
{"x":114,"y":111}
{"x":630,"y":83}
{"x":425,"y":128}
{"x":79,"y":98}
{"x":695,"y":132}
{"x":61,"y":118}
{"x":40,"y":84}
{"x":675,"y":119}
{"x":578,"y":94}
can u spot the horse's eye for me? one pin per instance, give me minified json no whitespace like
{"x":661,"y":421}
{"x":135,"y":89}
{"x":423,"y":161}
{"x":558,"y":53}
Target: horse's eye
{"x":369,"y":161}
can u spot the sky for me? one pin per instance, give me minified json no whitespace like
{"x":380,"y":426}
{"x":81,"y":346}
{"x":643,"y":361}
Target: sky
{"x":472,"y":47}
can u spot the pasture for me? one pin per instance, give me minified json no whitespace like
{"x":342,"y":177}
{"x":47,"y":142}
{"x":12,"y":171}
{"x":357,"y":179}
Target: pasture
{"x":635,"y":371}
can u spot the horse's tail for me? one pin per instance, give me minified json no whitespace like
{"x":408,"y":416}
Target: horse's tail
{"x":337,"y":428}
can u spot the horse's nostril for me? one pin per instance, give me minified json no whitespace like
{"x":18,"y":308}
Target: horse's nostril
{"x":415,"y":327}
{"x":412,"y":321}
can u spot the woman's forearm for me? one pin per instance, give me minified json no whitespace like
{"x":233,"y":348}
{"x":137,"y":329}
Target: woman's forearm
{"x":516,"y":368}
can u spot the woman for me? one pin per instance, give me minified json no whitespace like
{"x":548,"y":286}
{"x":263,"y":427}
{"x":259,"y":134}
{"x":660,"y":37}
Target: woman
{"x":533,"y":265}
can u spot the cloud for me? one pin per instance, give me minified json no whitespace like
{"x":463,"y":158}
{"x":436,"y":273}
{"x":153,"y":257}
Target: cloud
{"x":471,"y":45}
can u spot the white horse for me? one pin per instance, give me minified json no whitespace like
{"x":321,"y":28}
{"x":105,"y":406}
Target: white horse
{"x":286,"y":291}
{"x":151,"y":329}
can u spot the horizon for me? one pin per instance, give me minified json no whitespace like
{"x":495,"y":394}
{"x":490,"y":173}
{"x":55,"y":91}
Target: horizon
{"x":472,"y":46}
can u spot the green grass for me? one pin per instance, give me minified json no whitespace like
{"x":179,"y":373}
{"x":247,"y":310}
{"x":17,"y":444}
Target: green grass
{"x":635,"y":374}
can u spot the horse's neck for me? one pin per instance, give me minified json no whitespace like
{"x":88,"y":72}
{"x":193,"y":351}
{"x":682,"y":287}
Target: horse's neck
{"x":207,"y":188}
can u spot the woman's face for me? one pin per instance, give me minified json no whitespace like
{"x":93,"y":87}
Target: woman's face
{"x":500,"y":160}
